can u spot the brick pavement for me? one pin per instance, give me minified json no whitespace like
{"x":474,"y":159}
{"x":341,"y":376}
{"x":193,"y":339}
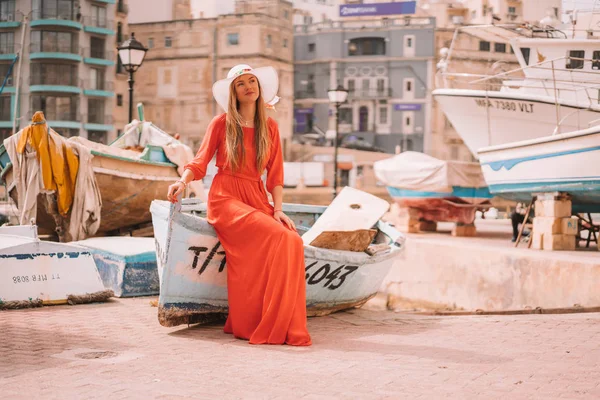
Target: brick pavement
{"x":360,"y":354}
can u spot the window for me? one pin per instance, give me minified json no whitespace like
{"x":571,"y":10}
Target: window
{"x":285,"y":43}
{"x":56,"y":9}
{"x":96,"y":79}
{"x":150,"y":43}
{"x":307,"y":20}
{"x":97,"y":47}
{"x":167,"y":77}
{"x":365,"y":85}
{"x":409,"y":89}
{"x":286,"y":14}
{"x":53,"y":74}
{"x":7,"y":43}
{"x":3,"y":72}
{"x":454,"y":152}
{"x":49,"y":41}
{"x":7,"y":11}
{"x":408,"y":86}
{"x":120,"y":100}
{"x":484,"y":46}
{"x":269,"y":41}
{"x":310,"y":87}
{"x":311,"y":47}
{"x":56,"y":108}
{"x":409,"y":46}
{"x":233,"y":39}
{"x":168,"y":41}
{"x":380,"y":85}
{"x":576,"y":62}
{"x":596,"y":60}
{"x":119,"y":33}
{"x":525,"y":52}
{"x":369,"y":46}
{"x":351,"y":85}
{"x":500,"y":47}
{"x":512,"y":10}
{"x":383,"y":115}
{"x":345,"y":115}
{"x":408,"y":120}
{"x":95,"y":111}
{"x":5,"y":108}
{"x":98,"y":17}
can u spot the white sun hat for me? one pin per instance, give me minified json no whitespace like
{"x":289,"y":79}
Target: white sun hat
{"x":267,"y":77}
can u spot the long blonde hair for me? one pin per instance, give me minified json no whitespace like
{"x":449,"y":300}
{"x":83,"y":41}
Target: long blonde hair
{"x":234,"y":136}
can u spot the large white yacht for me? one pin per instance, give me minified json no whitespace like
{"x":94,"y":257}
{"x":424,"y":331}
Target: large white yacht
{"x":556,"y":89}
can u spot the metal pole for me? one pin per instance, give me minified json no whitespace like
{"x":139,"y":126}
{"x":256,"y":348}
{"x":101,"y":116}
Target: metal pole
{"x":130,"y":81}
{"x":556,"y":100}
{"x":15,"y":115}
{"x":335,"y":156}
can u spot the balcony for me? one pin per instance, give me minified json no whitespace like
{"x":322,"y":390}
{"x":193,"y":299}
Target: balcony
{"x":98,"y":56}
{"x":98,"y":122}
{"x":8,"y":51}
{"x":98,"y":88}
{"x":9,"y":18}
{"x":98,"y":26}
{"x":54,"y":78}
{"x":370,"y":24}
{"x":68,"y":17}
{"x":370,"y":93}
{"x":56,"y":51}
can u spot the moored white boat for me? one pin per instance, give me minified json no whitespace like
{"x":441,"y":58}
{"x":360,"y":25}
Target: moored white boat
{"x":439,"y":191}
{"x":192,"y":265}
{"x":32,"y":270}
{"x":560,"y":163}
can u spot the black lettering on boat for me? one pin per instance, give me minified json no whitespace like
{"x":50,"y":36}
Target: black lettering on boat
{"x":197,"y":250}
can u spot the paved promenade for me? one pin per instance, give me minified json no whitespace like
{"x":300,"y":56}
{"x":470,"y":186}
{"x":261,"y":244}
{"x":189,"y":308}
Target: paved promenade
{"x":117,"y":350}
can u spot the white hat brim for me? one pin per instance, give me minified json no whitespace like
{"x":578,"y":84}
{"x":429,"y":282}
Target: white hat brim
{"x":267,"y":77}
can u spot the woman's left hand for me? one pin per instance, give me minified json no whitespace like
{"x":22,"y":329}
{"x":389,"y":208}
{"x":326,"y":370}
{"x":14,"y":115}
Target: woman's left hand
{"x":284,"y":219}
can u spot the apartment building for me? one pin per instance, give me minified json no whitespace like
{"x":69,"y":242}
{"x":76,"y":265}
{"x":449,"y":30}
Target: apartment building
{"x":387,"y":66}
{"x":61,"y":57}
{"x":186,"y":56}
{"x":121,"y":103}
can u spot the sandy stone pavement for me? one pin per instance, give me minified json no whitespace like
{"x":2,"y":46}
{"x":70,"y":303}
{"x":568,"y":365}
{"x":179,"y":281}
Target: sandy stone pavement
{"x":117,"y":350}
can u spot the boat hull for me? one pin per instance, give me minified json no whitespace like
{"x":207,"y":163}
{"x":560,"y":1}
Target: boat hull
{"x":564,"y":163}
{"x":31,"y":269}
{"x":193,"y":270}
{"x":127,"y":187}
{"x":127,"y":265}
{"x":512,"y":117}
{"x":459,"y":206}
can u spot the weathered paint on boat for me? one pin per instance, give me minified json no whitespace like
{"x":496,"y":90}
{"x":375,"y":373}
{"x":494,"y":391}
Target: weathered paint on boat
{"x":127,"y":186}
{"x":192,"y":265}
{"x":33,"y":269}
{"x":127,"y":265}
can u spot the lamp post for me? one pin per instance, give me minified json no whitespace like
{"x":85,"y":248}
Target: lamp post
{"x":131,"y":53}
{"x":337,"y":97}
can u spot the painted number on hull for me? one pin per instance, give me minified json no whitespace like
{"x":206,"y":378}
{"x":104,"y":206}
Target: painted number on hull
{"x":34,"y":278}
{"x":333,"y":279}
{"x":197,"y":250}
{"x":505,"y":105}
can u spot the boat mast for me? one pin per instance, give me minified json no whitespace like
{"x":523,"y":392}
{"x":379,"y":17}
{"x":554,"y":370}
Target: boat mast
{"x":18,"y":83}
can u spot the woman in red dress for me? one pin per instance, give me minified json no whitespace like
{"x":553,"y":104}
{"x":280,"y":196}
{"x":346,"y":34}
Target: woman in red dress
{"x":265,"y":254}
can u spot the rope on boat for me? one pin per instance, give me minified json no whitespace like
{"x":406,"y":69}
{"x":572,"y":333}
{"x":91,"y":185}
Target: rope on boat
{"x":102,"y":295}
{"x":17,"y":304}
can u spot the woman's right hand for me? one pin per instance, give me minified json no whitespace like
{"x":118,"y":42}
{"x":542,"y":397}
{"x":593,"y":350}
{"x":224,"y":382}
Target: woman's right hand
{"x":175,"y":190}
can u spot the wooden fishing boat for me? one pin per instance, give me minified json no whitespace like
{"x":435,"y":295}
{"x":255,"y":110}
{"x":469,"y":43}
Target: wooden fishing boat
{"x":36,"y":272}
{"x":127,"y":265}
{"x":192,"y":266}
{"x":127,"y":180}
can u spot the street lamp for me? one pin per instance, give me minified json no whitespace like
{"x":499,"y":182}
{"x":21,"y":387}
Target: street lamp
{"x":131,"y":53}
{"x":337,"y":97}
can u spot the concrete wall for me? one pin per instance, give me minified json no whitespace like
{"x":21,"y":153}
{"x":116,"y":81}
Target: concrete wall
{"x":469,"y":275}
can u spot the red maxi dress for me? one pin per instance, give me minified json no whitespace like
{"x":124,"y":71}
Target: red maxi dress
{"x":265,"y":260}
